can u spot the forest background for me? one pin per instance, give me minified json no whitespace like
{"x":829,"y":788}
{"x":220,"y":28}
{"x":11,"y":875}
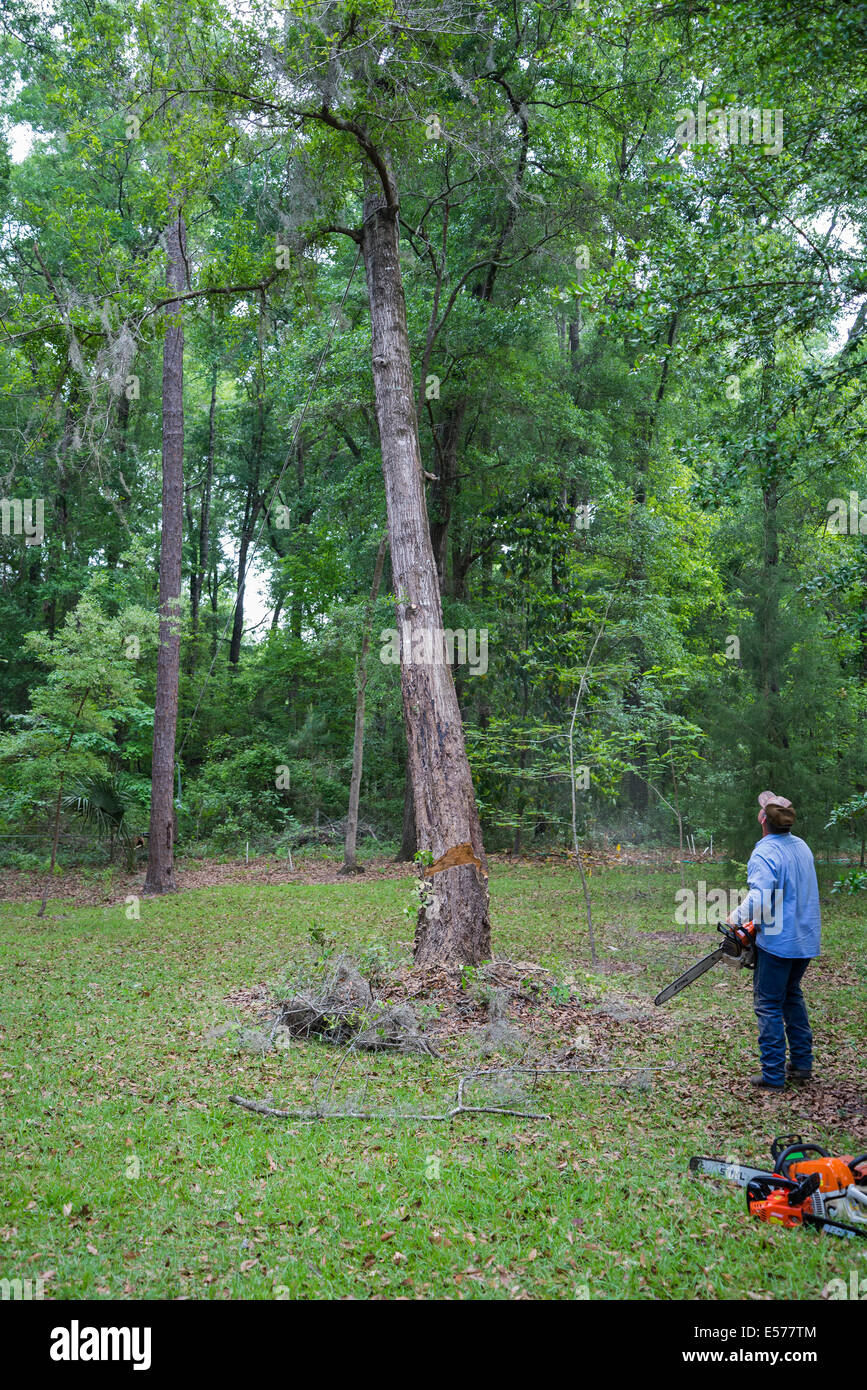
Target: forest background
{"x":637,"y":325}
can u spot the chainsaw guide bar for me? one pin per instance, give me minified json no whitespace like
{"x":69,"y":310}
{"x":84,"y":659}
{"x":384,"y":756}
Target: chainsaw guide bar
{"x":739,"y":944}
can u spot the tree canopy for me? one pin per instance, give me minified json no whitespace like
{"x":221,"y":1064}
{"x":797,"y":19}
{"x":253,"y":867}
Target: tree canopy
{"x":632,"y":250}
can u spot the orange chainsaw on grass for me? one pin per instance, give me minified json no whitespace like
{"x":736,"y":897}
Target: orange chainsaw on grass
{"x":808,"y":1187}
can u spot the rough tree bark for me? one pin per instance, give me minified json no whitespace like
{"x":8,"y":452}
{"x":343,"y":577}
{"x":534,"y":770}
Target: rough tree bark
{"x":349,"y":865}
{"x":453,"y":922}
{"x":160,"y":877}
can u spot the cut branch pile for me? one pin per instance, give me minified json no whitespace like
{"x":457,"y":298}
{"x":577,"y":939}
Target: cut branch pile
{"x":343,"y":1011}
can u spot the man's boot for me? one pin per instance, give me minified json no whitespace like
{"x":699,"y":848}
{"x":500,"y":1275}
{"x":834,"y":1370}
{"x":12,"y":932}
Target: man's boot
{"x":762,"y":1085}
{"x":799,"y":1074}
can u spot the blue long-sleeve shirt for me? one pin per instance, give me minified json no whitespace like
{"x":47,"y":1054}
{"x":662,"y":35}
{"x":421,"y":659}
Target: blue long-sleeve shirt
{"x":783,"y":897}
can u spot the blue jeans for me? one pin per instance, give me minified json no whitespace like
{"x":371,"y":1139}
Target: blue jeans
{"x":782,"y":1013}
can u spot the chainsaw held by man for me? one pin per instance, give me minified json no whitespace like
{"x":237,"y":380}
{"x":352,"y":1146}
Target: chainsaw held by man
{"x":739,"y":944}
{"x":807,"y":1187}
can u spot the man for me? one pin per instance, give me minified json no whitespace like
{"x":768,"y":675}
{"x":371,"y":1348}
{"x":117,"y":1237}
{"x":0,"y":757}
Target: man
{"x":784,"y":902}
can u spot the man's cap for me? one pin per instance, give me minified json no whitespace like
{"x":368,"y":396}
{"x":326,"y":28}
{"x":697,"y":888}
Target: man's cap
{"x":779,"y":810}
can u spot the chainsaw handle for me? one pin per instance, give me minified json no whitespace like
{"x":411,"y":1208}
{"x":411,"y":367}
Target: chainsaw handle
{"x":801,"y":1149}
{"x":805,"y":1188}
{"x":759,"y":1189}
{"x":738,"y":936}
{"x":784,"y":1141}
{"x":740,"y":942}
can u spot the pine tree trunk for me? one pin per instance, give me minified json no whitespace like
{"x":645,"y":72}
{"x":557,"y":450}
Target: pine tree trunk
{"x":160,"y":877}
{"x":453,"y":922}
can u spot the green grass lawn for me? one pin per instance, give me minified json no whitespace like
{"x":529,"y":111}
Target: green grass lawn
{"x":127,"y":1174}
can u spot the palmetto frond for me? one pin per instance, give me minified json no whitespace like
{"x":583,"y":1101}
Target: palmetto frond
{"x":104,"y":801}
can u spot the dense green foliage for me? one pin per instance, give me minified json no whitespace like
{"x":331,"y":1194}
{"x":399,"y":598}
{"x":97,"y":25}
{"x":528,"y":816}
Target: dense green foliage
{"x":641,"y":372}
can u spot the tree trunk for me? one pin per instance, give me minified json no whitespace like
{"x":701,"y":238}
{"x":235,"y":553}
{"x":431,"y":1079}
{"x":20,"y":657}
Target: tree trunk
{"x":160,"y":877}
{"x":200,"y":565}
{"x":408,"y":839}
{"x":443,"y":491}
{"x":303,"y":517}
{"x":349,"y":864}
{"x":250,"y":514}
{"x":453,"y":921}
{"x":253,"y":503}
{"x":451,"y":428}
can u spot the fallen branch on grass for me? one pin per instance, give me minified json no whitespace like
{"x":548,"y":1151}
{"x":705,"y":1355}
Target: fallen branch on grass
{"x":309,"y":1115}
{"x":261,"y":1108}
